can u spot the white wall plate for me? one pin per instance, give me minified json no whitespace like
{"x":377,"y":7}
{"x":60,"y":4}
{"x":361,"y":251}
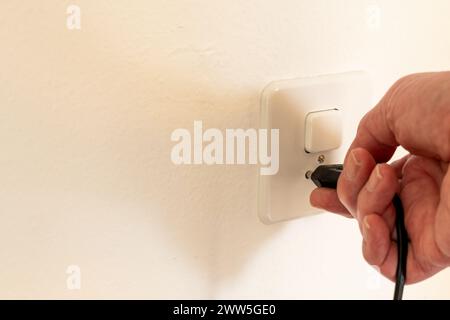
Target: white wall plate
{"x":285,"y":106}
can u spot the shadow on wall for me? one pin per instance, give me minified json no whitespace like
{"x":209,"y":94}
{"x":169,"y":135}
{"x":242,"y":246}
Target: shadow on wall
{"x":207,"y":213}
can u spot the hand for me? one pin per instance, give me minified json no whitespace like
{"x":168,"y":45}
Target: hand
{"x":415,"y":113}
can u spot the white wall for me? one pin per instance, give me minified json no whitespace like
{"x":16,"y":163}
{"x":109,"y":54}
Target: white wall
{"x":85,"y":123}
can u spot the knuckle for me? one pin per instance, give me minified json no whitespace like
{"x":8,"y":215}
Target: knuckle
{"x":390,"y":100}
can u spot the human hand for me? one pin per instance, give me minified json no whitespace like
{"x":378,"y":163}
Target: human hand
{"x":415,"y":113}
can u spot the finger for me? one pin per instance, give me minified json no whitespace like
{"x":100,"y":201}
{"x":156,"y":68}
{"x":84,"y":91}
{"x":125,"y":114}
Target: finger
{"x":327,"y":199}
{"x":376,"y":240}
{"x":443,"y":218}
{"x":379,"y":250}
{"x":399,"y":119}
{"x":399,"y":164}
{"x":375,"y":136}
{"x":421,"y":199}
{"x":377,"y":194}
{"x":418,"y":168}
{"x":357,"y":169}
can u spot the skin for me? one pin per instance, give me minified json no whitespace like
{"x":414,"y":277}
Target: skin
{"x":414,"y":114}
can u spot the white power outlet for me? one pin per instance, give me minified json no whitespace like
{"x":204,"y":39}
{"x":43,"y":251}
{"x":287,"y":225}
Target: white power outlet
{"x":320,"y":114}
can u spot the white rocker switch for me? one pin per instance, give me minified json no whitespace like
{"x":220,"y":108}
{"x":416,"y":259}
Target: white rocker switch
{"x":323,"y":131}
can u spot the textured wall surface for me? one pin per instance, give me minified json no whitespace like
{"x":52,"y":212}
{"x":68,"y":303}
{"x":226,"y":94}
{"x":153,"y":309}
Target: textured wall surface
{"x":85,"y":123}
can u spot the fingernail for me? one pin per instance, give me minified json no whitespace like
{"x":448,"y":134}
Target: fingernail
{"x":366,"y":227}
{"x":375,"y":178}
{"x":353,"y":166}
{"x":366,"y":223}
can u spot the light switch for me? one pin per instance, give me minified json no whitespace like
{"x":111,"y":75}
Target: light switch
{"x":323,"y":131}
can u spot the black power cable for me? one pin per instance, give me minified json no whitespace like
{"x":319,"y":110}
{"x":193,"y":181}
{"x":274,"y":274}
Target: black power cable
{"x":327,"y":176}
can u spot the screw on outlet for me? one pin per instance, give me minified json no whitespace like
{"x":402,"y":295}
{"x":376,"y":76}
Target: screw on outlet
{"x":321,"y":159}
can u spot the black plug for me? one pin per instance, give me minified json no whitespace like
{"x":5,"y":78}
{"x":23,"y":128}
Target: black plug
{"x":327,"y":176}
